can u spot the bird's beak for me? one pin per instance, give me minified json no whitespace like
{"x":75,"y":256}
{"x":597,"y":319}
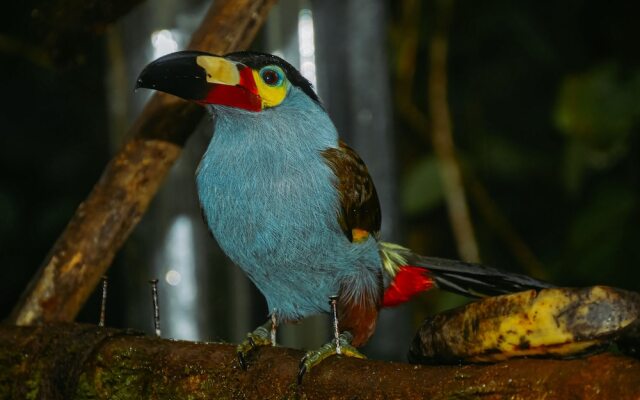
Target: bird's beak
{"x":204,"y":78}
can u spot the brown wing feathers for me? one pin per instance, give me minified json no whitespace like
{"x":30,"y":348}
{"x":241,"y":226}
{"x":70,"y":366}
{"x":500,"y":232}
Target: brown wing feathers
{"x":359,"y":201}
{"x":359,"y":217}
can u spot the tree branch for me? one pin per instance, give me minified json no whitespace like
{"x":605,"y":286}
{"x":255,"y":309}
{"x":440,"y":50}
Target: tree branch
{"x":72,"y":361}
{"x":442,"y":138}
{"x":62,"y":31}
{"x":102,"y":223}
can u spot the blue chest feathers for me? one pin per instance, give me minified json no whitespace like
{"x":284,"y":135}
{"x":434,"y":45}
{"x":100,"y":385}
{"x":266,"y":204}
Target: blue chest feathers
{"x":269,"y":199}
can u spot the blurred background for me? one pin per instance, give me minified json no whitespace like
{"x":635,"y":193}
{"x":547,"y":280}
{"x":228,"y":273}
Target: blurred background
{"x":531,"y":110}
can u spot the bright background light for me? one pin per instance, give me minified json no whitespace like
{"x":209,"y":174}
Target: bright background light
{"x":181,"y":275}
{"x":163,"y":42}
{"x":307,"y":48}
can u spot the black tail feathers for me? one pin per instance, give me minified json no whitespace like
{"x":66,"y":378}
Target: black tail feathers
{"x":473,"y":280}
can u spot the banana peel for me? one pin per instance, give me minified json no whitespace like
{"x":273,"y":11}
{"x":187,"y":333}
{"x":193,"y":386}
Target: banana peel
{"x":556,"y":322}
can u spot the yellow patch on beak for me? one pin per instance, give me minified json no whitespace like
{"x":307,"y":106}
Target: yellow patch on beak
{"x":219,"y":70}
{"x":271,"y":95}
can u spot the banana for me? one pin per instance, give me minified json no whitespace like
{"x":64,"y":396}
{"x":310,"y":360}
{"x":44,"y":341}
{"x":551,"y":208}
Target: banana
{"x":556,"y":322}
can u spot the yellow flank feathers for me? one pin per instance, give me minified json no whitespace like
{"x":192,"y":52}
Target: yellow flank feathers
{"x":392,"y":257}
{"x":557,"y":322}
{"x":359,"y":235}
{"x":271,"y":95}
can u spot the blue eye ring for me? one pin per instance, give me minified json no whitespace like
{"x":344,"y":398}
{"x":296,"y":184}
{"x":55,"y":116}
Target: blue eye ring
{"x":272,"y":76}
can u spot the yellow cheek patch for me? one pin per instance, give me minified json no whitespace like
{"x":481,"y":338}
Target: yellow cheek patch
{"x":271,"y":95}
{"x":359,"y":235}
{"x":219,"y":70}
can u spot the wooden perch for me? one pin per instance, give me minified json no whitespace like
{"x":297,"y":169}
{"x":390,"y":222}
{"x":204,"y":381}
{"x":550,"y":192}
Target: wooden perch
{"x":72,"y":361}
{"x":101,"y":224}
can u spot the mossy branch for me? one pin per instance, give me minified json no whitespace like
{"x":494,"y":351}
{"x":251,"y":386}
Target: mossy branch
{"x":73,"y":361}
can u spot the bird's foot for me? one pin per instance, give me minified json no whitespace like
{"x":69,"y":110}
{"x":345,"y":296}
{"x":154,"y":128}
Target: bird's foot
{"x":259,"y":337}
{"x":342,"y":346}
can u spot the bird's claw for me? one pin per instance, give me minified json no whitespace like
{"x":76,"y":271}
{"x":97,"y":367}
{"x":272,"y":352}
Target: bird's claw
{"x":242,"y":361}
{"x":257,"y":338}
{"x":315,"y":357}
{"x":301,"y":371}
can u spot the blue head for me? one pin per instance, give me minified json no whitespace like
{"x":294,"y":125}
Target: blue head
{"x":244,"y":80}
{"x":254,"y":94}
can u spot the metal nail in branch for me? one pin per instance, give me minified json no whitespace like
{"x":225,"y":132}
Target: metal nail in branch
{"x":103,"y":303}
{"x":333,"y":301}
{"x":156,"y":307}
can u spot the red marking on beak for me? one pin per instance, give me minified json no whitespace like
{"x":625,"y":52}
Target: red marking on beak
{"x":244,"y":95}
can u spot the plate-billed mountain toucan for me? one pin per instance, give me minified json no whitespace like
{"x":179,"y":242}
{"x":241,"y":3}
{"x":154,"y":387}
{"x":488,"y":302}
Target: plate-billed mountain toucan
{"x":295,"y":207}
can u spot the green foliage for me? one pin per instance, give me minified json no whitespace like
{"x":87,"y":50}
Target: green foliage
{"x":422,"y":187}
{"x":546,"y":112}
{"x":597,"y":110}
{"x":501,"y":158}
{"x":599,"y":107}
{"x":601,"y":231}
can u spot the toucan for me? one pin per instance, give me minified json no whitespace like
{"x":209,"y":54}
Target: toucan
{"x":295,"y":207}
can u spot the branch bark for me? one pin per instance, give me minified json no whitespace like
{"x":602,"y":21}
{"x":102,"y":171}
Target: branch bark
{"x":72,"y":361}
{"x":101,"y":224}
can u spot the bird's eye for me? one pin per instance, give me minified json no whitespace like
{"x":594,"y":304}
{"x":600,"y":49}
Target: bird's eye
{"x":271,"y":77}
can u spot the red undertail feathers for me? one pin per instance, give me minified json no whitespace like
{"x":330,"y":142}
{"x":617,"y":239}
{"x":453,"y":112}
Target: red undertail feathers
{"x":412,"y":273}
{"x":408,"y":282}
